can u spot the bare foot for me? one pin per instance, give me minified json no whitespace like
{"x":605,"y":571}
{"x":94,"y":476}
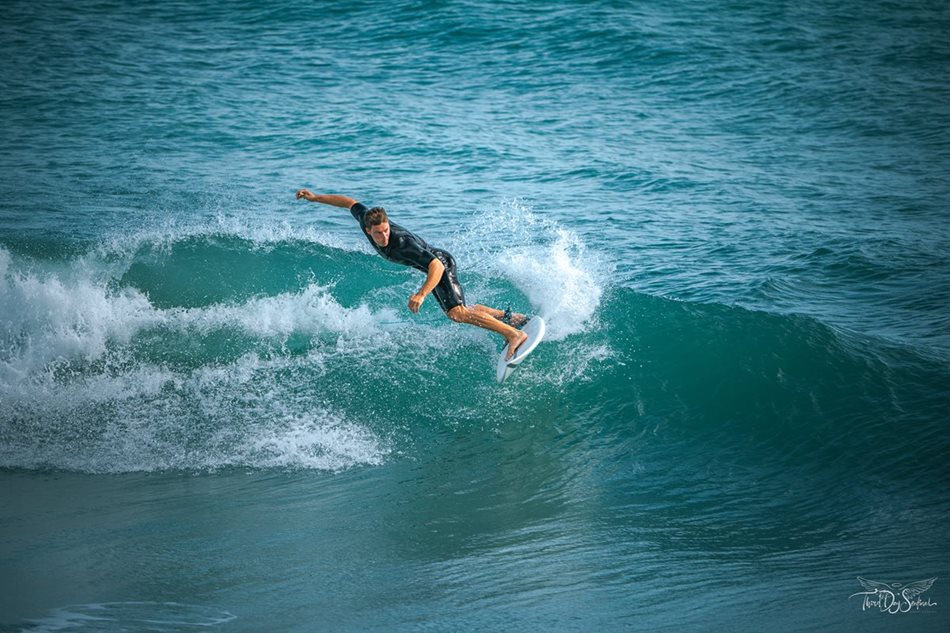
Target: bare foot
{"x":514,"y":343}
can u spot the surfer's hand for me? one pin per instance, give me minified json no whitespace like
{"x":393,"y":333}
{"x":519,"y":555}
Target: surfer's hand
{"x":415,"y":302}
{"x":306,"y":194}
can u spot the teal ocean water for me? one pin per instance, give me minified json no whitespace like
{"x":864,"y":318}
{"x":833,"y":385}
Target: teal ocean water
{"x":216,"y":412}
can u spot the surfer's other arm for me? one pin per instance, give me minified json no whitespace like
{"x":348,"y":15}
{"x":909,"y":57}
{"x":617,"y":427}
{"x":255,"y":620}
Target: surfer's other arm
{"x":344,"y":202}
{"x":433,"y":277}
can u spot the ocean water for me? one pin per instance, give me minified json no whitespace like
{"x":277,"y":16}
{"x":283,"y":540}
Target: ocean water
{"x":216,"y":412}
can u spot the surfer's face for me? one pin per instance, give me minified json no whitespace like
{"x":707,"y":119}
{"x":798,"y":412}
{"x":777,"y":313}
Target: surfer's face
{"x":379,"y":233}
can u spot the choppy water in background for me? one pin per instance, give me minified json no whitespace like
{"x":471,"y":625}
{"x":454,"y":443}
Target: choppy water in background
{"x":215,"y":411}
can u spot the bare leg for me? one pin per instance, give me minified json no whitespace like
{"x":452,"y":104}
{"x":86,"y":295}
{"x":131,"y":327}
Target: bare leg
{"x":516,"y":318}
{"x":464,"y":314}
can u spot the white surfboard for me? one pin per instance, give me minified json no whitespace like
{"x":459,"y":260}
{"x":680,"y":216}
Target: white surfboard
{"x":534,"y":328}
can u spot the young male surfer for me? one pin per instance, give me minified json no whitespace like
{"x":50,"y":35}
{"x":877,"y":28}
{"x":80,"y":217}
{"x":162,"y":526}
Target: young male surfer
{"x":403,"y":247}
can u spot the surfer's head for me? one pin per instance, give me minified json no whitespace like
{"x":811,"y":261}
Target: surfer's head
{"x":377,"y":225}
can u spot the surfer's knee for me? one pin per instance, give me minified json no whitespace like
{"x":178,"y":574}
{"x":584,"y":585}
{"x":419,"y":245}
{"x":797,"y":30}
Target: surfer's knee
{"x":458,"y":314}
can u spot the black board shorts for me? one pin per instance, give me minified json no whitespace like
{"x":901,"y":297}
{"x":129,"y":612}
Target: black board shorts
{"x":448,"y":292}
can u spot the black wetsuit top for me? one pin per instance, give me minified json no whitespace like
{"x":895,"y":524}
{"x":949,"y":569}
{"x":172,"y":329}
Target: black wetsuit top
{"x":408,"y":249}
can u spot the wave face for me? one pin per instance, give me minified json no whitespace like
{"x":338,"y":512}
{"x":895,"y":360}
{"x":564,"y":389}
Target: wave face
{"x":214,"y":347}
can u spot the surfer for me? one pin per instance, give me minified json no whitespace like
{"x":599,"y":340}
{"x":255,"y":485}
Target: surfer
{"x":404,"y":247}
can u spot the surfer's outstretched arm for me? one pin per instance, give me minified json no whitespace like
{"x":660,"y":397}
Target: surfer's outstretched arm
{"x":344,"y":202}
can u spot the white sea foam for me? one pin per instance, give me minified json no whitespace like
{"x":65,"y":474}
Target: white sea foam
{"x":49,"y":318}
{"x":325,"y":443}
{"x":75,"y":394}
{"x":250,"y":413}
{"x":260,"y":233}
{"x":553,"y":277}
{"x":46,"y":318}
{"x":310,"y":311}
{"x":550,"y":264}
